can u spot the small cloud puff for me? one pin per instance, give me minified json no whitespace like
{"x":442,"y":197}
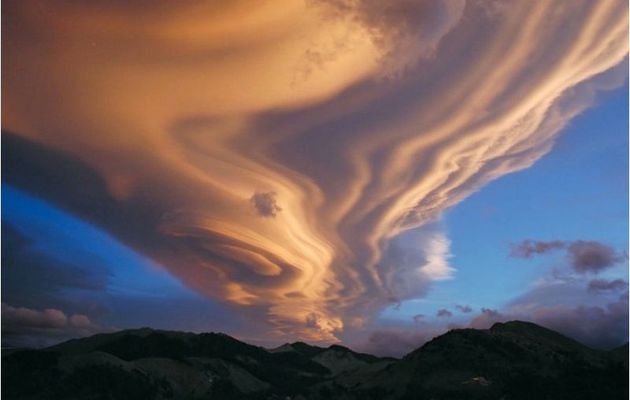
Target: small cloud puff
{"x":465,"y":309}
{"x":444,"y":313}
{"x":418,"y":318}
{"x":591,"y":256}
{"x":265,"y":204}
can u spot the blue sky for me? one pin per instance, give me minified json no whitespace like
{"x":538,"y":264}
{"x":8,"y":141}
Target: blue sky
{"x":577,"y":191}
{"x":126,"y":289}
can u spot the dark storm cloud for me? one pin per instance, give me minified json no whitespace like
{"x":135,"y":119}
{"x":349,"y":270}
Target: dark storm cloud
{"x":265,"y":204}
{"x":583,"y":255}
{"x":529,"y":248}
{"x":464,"y":308}
{"x":444,"y":313}
{"x":603,"y":285}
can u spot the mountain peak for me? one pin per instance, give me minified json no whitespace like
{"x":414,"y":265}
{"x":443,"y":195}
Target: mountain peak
{"x":516,"y":325}
{"x":536,"y":332}
{"x":306,"y":349}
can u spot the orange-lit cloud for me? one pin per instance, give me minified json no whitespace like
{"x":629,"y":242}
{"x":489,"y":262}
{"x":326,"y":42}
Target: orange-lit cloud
{"x":350,"y":123}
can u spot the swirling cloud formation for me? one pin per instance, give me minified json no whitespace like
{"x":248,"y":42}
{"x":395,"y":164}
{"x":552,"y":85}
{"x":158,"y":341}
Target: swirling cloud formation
{"x":274,"y":155}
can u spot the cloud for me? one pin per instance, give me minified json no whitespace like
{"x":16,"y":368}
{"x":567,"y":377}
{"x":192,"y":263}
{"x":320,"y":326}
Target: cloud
{"x":591,"y":256}
{"x":583,"y":255}
{"x":406,"y":272}
{"x":265,"y":204}
{"x":418,"y":318}
{"x":444,"y":313}
{"x":602,"y":327}
{"x":368,"y":121}
{"x":598,"y":326}
{"x":529,"y":248}
{"x":603,"y":285}
{"x":23,"y":326}
{"x":404,"y":31}
{"x":465,"y":309}
{"x":487,"y":318}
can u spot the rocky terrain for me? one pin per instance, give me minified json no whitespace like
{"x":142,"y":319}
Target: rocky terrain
{"x":513,"y":360}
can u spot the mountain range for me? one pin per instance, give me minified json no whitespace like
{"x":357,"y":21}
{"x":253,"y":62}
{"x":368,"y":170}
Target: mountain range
{"x":512,"y":360}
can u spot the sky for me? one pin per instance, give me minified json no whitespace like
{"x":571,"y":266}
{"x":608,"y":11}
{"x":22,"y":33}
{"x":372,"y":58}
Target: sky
{"x":363,"y":172}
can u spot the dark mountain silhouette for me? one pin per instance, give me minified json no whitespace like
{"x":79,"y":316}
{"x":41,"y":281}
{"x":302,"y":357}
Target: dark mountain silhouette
{"x":513,"y":360}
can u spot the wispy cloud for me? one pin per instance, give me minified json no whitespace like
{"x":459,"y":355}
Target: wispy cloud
{"x":529,"y":248}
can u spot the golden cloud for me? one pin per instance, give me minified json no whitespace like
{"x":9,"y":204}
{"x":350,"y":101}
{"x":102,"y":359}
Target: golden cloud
{"x":364,"y":119}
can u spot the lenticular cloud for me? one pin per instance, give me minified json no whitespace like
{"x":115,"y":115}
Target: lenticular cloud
{"x":273,"y":154}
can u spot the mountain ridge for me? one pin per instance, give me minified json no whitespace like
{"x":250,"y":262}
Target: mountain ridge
{"x":512,"y":360}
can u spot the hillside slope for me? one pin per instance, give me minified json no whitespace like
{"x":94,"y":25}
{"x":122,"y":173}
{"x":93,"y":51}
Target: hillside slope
{"x":514,"y":360}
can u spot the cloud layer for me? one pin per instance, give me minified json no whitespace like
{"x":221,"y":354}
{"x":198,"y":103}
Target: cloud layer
{"x":603,"y":285}
{"x":569,"y":308}
{"x":27,"y":327}
{"x":351,"y":124}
